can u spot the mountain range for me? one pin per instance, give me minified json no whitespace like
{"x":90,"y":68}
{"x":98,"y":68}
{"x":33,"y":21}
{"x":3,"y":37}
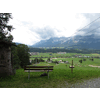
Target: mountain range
{"x":76,"y":42}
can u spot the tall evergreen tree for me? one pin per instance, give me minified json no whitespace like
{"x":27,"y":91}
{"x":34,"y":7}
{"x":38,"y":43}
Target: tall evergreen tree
{"x":5,"y":29}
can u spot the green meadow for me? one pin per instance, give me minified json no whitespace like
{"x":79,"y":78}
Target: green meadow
{"x":62,"y":55}
{"x":58,"y":78}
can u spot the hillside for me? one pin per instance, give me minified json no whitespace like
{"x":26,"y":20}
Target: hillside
{"x":76,"y":42}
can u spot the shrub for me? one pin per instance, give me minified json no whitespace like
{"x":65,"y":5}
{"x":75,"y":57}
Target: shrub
{"x":91,"y":59}
{"x":80,"y":61}
{"x":48,"y":59}
{"x":84,"y":59}
{"x":55,"y":62}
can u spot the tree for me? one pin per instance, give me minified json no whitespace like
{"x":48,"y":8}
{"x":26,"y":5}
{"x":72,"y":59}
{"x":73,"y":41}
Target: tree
{"x":4,"y":28}
{"x":36,"y":60}
{"x":48,"y":59}
{"x":23,"y":54}
{"x":15,"y":60}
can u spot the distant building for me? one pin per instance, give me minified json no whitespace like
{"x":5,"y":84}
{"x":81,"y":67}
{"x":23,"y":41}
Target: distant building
{"x":79,"y":56}
{"x":61,"y":52}
{"x":34,"y":53}
{"x":48,"y":52}
{"x":30,"y":61}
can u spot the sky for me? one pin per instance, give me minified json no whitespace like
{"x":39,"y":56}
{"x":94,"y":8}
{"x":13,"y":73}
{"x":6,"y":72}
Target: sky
{"x":31,"y":28}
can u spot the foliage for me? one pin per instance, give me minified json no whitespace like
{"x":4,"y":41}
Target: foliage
{"x":33,"y":62}
{"x":48,"y":59}
{"x":20,"y":55}
{"x":91,"y":59}
{"x":80,"y":61}
{"x":55,"y":62}
{"x":36,"y":60}
{"x":23,"y":54}
{"x":5,"y":29}
{"x":41,"y":60}
{"x":16,"y":61}
{"x":84,"y":59}
{"x":55,"y":50}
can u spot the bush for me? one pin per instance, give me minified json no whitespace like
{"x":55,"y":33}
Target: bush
{"x":55,"y":62}
{"x":17,"y":66}
{"x":91,"y":59}
{"x":42,"y":60}
{"x":80,"y":61}
{"x":84,"y":59}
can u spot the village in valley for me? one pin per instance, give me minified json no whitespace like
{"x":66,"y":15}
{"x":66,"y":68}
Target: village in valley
{"x":54,"y":56}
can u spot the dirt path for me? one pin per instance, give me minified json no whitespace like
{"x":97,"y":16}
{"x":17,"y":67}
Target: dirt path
{"x":94,"y":66}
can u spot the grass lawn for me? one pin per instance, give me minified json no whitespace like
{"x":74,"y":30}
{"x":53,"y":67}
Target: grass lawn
{"x":57,"y":78}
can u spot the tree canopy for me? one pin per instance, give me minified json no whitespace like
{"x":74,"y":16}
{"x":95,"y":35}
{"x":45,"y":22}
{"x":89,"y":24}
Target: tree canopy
{"x":23,"y":54}
{"x":19,"y":52}
{"x":5,"y":29}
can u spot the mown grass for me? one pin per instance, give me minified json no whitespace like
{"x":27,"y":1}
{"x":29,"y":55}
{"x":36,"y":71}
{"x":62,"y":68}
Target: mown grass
{"x":58,"y":78}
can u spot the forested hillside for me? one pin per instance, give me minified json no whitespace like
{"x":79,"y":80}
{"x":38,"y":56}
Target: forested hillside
{"x":55,"y":50}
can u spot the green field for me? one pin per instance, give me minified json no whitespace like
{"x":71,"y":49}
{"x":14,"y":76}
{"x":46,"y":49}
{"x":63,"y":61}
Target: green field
{"x":53,"y":54}
{"x":57,"y":78}
{"x":62,"y":55}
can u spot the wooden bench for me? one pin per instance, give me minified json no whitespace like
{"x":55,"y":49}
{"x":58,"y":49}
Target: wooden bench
{"x":38,"y":69}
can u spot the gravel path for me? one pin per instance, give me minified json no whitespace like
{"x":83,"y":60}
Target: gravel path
{"x":91,"y":83}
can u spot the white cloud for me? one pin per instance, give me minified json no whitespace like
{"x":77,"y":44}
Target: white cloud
{"x":32,"y":27}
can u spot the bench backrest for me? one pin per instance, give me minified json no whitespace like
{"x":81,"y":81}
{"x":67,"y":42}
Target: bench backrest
{"x":38,"y":68}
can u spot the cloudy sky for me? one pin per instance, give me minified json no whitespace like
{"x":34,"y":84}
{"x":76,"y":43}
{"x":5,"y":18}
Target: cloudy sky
{"x":34,"y":27}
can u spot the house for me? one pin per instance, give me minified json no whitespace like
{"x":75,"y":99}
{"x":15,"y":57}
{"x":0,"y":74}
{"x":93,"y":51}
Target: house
{"x":48,"y":52}
{"x":87,"y":56}
{"x":75,"y":56}
{"x":79,"y":56}
{"x":30,"y":61}
{"x":34,"y":53}
{"x":61,"y":52}
{"x":6,"y":65}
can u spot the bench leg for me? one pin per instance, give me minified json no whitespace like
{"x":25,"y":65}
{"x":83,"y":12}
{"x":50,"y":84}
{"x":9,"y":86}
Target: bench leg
{"x":48,"y":74}
{"x":28,"y":75}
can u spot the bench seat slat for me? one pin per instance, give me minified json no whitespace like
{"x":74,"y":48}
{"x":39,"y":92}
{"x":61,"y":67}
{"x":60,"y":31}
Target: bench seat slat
{"x":36,"y":70}
{"x":38,"y":66}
